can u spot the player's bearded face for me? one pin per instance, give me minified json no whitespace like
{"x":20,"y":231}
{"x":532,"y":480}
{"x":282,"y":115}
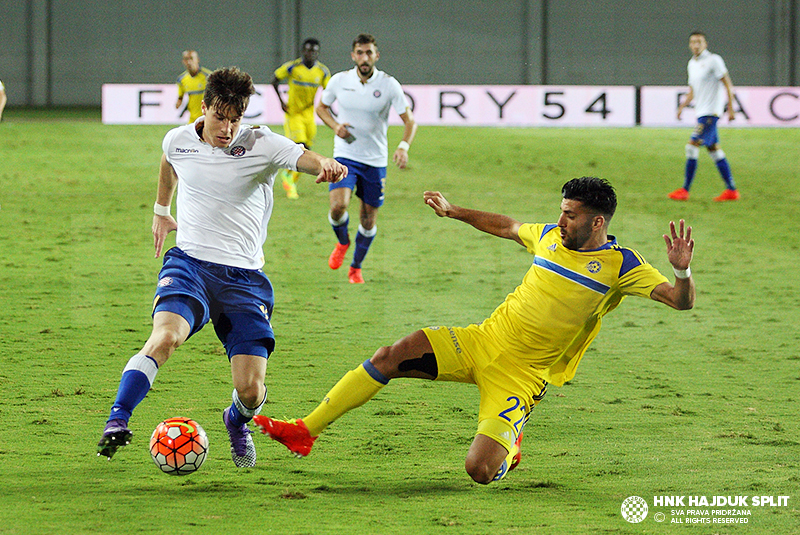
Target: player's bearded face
{"x":365,"y":57}
{"x":221,"y":126}
{"x":575,"y":224}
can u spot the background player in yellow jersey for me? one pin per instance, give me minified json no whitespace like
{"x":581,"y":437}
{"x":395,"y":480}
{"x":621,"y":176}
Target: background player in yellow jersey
{"x":304,"y":76}
{"x":192,"y":82}
{"x":537,"y":336}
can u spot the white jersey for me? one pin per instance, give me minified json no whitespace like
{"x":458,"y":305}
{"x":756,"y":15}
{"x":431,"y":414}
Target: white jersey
{"x":705,"y":73}
{"x":225,"y":195}
{"x":366,"y":108}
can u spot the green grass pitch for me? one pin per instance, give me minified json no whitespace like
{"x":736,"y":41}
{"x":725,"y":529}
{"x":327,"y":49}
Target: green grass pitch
{"x":703,"y":402}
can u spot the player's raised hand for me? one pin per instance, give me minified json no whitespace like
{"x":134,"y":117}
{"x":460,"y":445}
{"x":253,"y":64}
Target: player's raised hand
{"x":162,"y":225}
{"x":436,"y":200}
{"x":680,"y":245}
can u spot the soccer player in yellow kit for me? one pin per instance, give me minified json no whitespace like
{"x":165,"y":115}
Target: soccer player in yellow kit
{"x":192,"y":82}
{"x":537,"y":336}
{"x":304,"y":76}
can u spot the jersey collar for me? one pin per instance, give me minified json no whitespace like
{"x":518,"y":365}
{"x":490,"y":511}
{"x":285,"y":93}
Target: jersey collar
{"x":610,"y":244}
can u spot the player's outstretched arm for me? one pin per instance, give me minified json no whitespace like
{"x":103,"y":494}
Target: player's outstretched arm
{"x":495,"y":224}
{"x":680,"y":249}
{"x":326,"y":169}
{"x":276,"y":85}
{"x":163,"y":225}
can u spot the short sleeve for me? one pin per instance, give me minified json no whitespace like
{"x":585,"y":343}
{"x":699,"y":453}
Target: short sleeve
{"x":399,"y":100}
{"x":641,"y":280}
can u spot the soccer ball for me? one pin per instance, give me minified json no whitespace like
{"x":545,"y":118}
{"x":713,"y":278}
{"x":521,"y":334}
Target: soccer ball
{"x":178,"y":446}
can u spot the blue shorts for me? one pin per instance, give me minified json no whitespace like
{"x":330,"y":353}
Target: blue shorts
{"x":706,"y":131}
{"x":367,"y":181}
{"x":238,"y":301}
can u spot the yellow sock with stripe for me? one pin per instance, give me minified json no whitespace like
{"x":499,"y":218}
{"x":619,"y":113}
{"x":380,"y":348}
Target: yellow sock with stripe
{"x":353,"y":390}
{"x":505,"y":468}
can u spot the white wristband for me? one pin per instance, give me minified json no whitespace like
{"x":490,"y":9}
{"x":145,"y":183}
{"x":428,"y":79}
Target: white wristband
{"x":683,"y":273}
{"x":404,"y":145}
{"x":160,"y":209}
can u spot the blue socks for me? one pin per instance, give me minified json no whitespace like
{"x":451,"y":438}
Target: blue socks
{"x":364,"y":239}
{"x":691,"y":167}
{"x":340,"y":228}
{"x":137,"y":377}
{"x":725,"y":171}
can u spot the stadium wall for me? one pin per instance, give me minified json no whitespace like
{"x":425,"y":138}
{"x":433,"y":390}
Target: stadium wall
{"x":61,"y":52}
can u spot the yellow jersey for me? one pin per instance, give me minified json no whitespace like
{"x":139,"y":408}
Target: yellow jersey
{"x":303,"y":83}
{"x":549,"y":321}
{"x":194,"y":86}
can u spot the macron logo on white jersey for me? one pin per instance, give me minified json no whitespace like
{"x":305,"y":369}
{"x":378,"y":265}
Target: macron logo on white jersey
{"x":186,"y":151}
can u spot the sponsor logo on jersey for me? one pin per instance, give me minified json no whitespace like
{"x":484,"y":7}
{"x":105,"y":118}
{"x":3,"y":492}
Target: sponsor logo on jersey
{"x":180,"y":150}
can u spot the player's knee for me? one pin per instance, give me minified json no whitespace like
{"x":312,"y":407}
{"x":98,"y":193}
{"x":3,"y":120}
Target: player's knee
{"x":251,"y":392}
{"x":479,"y":470}
{"x":163,"y":342}
{"x":338,"y":210}
{"x":384,"y":361}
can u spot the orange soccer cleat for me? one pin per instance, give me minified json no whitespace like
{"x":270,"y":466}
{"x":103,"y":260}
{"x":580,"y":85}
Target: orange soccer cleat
{"x":679,"y":194}
{"x":337,"y":256}
{"x":728,"y":195}
{"x":354,"y":276}
{"x":292,"y":434}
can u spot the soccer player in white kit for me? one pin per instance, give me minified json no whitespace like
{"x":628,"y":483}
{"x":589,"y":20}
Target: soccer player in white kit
{"x":709,"y":85}
{"x":364,"y":96}
{"x":224,"y":173}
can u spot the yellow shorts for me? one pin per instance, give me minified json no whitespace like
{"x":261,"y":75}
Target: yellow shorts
{"x":508,"y":391}
{"x":301,"y":127}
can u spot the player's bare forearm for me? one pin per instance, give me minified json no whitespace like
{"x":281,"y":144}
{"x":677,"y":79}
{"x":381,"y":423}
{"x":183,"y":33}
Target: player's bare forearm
{"x":400,"y":156}
{"x":498,"y":225}
{"x":324,"y":113}
{"x":326,"y":169}
{"x":163,"y":225}
{"x":167,"y":180}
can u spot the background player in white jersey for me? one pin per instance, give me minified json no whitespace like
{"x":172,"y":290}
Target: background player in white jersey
{"x":224,"y":173}
{"x":364,"y":96}
{"x":709,"y":85}
{"x":3,"y":99}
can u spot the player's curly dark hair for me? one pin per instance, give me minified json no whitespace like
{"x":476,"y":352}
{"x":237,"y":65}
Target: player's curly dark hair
{"x":364,"y":39}
{"x":229,"y":89}
{"x":595,"y":193}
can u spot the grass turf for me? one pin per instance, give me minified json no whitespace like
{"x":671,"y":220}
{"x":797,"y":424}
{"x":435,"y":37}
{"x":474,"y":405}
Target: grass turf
{"x":665,"y":403}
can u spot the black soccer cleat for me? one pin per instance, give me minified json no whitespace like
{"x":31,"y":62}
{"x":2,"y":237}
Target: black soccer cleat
{"x":115,"y":435}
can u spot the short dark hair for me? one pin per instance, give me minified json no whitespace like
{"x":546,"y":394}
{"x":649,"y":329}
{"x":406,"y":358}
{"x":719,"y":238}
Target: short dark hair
{"x":364,"y":39}
{"x":311,"y":41}
{"x":229,"y":89}
{"x":697,"y":32}
{"x":595,"y":193}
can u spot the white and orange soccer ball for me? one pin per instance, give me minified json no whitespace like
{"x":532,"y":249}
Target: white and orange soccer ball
{"x":179,"y":446}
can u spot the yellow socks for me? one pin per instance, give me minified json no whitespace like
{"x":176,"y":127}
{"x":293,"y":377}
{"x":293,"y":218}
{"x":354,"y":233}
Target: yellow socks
{"x":353,"y":390}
